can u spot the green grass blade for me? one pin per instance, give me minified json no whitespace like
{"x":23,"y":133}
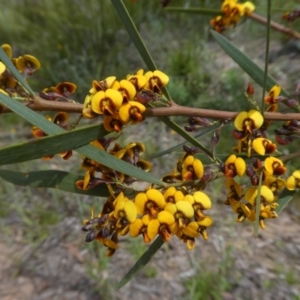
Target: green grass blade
{"x":143,"y":260}
{"x":267,"y":55}
{"x":194,"y":10}
{"x":52,"y":179}
{"x":257,"y":206}
{"x":133,"y":33}
{"x":51,"y":145}
{"x":89,"y":151}
{"x":285,"y":197}
{"x":5,"y":59}
{"x":245,"y":62}
{"x":143,"y":51}
{"x":205,"y":132}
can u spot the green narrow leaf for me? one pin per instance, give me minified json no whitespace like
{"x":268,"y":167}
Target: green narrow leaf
{"x":133,"y":33}
{"x":5,"y":59}
{"x":52,"y":179}
{"x":143,"y":51}
{"x":205,"y":132}
{"x":246,"y":63}
{"x":51,"y":145}
{"x":285,"y":197}
{"x":194,"y":10}
{"x":143,"y":260}
{"x":88,"y":150}
{"x":257,"y":206}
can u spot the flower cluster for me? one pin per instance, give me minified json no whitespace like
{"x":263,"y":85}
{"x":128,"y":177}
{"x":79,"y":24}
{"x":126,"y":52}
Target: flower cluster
{"x":26,"y":65}
{"x":122,"y":102}
{"x":157,"y":211}
{"x":232,"y":13}
{"x":291,"y":16}
{"x":97,"y":173}
{"x":151,"y":213}
{"x":250,"y":131}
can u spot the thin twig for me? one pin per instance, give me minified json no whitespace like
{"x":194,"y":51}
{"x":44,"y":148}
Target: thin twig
{"x":173,"y":110}
{"x":275,"y":25}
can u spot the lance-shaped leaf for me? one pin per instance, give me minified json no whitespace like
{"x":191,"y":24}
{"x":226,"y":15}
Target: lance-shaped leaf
{"x":52,"y":179}
{"x":257,"y":206}
{"x":143,"y":51}
{"x":205,"y":132}
{"x":245,"y":62}
{"x":285,"y":197}
{"x":51,"y":145}
{"x":89,"y":151}
{"x":143,"y":260}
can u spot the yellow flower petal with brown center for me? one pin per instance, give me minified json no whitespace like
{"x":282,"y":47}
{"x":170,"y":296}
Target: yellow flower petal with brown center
{"x":150,"y":202}
{"x":138,"y":81}
{"x":102,"y":85}
{"x":234,"y":166}
{"x":199,"y":200}
{"x":274,"y":166}
{"x":247,"y":121}
{"x":106,"y":102}
{"x":126,"y":209}
{"x":192,"y":168}
{"x":180,"y":209}
{"x":133,"y":111}
{"x":273,"y":94}
{"x":156,"y":80}
{"x":113,"y":123}
{"x":173,"y":195}
{"x":248,"y":8}
{"x":126,"y":88}
{"x":27,"y":63}
{"x":274,"y":183}
{"x":263,"y":146}
{"x":161,"y":226}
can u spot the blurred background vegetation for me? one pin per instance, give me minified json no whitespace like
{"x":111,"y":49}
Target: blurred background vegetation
{"x":80,"y":41}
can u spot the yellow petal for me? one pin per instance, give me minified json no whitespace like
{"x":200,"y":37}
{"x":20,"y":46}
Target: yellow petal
{"x":2,"y":67}
{"x":152,"y":229}
{"x":239,"y":120}
{"x":186,"y":208}
{"x":198,"y":168}
{"x":135,"y":228}
{"x":231,"y":159}
{"x":257,"y":118}
{"x":140,"y":202}
{"x":165,"y":217}
{"x":190,"y":232}
{"x":240,"y":166}
{"x":157,"y":197}
{"x":206,"y":222}
{"x":131,"y":211}
{"x":171,"y":208}
{"x":128,"y":88}
{"x":266,"y":193}
{"x":203,"y":199}
{"x":251,"y":194}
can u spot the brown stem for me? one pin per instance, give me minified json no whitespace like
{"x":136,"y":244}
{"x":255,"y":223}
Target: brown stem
{"x":174,"y":110}
{"x":275,"y":25}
